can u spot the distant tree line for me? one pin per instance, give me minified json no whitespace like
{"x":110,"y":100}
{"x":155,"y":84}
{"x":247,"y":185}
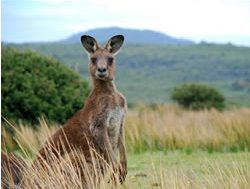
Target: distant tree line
{"x":149,"y":66}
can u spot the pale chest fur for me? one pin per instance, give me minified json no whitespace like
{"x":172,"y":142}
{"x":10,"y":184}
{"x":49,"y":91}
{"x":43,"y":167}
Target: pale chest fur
{"x":114,"y":121}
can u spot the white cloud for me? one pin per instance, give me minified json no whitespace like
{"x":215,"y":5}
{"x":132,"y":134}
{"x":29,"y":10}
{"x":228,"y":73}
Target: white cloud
{"x":181,"y":18}
{"x":178,"y":17}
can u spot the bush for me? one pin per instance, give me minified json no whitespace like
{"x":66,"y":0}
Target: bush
{"x":35,"y":85}
{"x":197,"y":96}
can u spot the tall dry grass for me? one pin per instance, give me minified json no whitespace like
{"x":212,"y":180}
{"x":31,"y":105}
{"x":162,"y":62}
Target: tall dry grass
{"x":169,"y":127}
{"x":71,"y":170}
{"x":163,"y":127}
{"x":147,"y":128}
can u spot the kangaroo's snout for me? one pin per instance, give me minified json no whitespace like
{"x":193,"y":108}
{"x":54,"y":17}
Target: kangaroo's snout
{"x":101,"y":72}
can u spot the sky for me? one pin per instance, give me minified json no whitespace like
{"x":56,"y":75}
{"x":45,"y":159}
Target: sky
{"x":220,"y":21}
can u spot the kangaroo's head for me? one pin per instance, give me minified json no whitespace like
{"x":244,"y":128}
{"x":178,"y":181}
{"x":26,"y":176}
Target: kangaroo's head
{"x":102,"y":60}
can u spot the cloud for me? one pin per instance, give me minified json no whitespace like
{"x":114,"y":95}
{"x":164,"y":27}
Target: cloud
{"x":178,"y":18}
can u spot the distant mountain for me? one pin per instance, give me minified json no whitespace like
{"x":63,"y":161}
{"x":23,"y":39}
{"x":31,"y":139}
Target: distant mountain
{"x":131,"y":35}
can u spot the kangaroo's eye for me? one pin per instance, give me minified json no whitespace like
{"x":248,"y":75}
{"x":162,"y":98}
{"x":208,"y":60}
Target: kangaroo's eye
{"x":93,"y":60}
{"x":110,"y":60}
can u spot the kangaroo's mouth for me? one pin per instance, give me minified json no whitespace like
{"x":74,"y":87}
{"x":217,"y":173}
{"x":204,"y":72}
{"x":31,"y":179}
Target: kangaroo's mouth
{"x":101,"y":76}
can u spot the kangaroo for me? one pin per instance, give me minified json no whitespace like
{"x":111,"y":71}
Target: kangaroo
{"x":100,"y":123}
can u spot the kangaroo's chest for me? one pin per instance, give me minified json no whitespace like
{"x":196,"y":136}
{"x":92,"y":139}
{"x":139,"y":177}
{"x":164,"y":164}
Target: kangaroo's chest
{"x":114,"y":120}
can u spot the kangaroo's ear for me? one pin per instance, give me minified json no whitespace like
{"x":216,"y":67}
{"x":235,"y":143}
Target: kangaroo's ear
{"x":89,"y":43}
{"x":114,"y":44}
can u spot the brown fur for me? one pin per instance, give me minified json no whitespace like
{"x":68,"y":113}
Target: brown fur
{"x":11,"y":170}
{"x":95,"y":124}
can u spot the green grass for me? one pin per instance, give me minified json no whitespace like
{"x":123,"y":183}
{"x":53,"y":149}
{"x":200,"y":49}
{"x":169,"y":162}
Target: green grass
{"x":200,"y":169}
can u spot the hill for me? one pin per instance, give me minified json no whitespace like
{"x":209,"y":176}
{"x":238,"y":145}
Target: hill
{"x":132,"y":36}
{"x":149,"y":72}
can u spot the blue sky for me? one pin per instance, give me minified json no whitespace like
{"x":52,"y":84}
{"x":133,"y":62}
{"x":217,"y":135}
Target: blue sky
{"x":219,"y":21}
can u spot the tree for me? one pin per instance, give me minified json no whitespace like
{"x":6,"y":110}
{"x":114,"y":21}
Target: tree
{"x":197,"y":96}
{"x":34,"y":85}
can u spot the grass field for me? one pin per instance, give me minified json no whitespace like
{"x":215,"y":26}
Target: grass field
{"x":172,"y":170}
{"x":167,"y":148}
{"x":176,"y":169}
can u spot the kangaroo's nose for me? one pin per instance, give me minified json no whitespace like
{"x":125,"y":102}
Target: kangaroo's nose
{"x":101,"y":70}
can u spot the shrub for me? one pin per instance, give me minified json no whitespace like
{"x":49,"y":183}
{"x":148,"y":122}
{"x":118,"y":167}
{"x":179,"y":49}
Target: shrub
{"x":34,"y":85}
{"x":197,"y":96}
